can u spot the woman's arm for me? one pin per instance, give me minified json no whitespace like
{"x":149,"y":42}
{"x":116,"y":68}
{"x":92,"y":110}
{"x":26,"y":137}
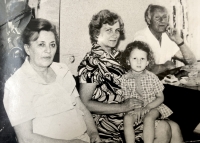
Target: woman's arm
{"x":25,"y":134}
{"x":86,"y":92}
{"x":91,"y":128}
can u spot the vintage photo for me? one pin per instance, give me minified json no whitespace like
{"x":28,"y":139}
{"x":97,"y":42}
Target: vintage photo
{"x":99,"y":71}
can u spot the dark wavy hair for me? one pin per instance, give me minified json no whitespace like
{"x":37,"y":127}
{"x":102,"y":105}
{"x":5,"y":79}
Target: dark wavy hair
{"x":103,"y":17}
{"x":136,"y":45}
{"x":33,"y":29}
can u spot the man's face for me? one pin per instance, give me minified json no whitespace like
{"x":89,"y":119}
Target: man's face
{"x":159,"y":20}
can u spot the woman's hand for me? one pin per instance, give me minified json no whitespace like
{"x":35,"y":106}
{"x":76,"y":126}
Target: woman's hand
{"x":144,"y":111}
{"x":138,"y":114}
{"x":94,"y":138}
{"x":132,"y":103}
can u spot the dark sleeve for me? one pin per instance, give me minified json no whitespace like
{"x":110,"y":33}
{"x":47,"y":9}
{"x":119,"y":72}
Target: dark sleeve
{"x":88,"y":70}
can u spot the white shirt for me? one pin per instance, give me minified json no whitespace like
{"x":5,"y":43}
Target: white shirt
{"x":163,"y":52}
{"x":51,"y":106}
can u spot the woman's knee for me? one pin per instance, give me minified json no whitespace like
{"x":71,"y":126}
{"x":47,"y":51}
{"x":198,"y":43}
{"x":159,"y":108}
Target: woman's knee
{"x":174,"y":126}
{"x":163,"y":131}
{"x":176,"y":132}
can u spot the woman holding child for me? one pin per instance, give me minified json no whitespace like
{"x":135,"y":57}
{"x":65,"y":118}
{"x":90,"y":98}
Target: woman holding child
{"x":100,"y":79}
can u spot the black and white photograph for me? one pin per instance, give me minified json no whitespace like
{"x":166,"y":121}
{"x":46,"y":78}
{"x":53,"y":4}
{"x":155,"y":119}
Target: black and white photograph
{"x":99,"y":71}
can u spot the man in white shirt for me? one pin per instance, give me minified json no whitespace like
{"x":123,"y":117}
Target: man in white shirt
{"x":164,"y":41}
{"x":166,"y":44}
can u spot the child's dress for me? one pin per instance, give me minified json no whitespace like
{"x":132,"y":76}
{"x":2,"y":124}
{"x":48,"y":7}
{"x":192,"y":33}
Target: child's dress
{"x":145,"y":87}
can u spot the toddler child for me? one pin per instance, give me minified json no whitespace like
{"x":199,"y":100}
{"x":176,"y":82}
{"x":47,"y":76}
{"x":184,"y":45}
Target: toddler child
{"x":142,"y":84}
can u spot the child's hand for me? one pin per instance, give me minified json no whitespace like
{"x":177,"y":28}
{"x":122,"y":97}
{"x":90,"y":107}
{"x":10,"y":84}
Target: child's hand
{"x":145,"y":110}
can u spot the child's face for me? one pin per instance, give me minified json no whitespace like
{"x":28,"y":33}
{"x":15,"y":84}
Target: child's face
{"x":138,"y":60}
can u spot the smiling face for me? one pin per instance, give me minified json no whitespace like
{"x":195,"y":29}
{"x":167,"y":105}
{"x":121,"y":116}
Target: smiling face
{"x":159,"y":20}
{"x":109,"y":35}
{"x":41,"y":52}
{"x":138,"y":60}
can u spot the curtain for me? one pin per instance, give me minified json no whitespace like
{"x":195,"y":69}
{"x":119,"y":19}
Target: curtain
{"x":179,"y":20}
{"x":14,"y":16}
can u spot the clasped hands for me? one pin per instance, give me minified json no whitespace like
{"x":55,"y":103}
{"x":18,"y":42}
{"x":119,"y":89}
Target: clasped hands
{"x":139,"y":113}
{"x":135,"y":107}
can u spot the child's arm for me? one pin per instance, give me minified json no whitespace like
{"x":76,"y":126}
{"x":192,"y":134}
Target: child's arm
{"x":159,"y":99}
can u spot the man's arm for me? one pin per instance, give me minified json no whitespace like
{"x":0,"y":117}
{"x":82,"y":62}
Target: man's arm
{"x":25,"y":134}
{"x":185,"y":54}
{"x":156,"y":69}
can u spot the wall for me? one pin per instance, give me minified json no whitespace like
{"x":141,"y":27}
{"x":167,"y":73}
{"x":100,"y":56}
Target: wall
{"x":48,"y":9}
{"x":194,"y":25}
{"x":194,"y":28}
{"x":76,"y":15}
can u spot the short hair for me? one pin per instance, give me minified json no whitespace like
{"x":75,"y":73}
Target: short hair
{"x":150,"y":9}
{"x":103,"y":17}
{"x":34,"y":27}
{"x":137,"y":45}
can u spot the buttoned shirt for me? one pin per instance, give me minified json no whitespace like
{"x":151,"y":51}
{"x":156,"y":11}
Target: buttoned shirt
{"x":145,"y":87}
{"x":51,"y":106}
{"x":149,"y":86}
{"x":163,"y":52}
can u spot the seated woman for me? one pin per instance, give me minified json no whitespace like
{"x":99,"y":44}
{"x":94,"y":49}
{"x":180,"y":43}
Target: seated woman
{"x":100,"y":73}
{"x":40,"y":99}
{"x":165,"y":42}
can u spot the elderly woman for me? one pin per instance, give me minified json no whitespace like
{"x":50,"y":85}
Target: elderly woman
{"x":100,"y":73}
{"x":40,"y":99}
{"x":165,"y":42}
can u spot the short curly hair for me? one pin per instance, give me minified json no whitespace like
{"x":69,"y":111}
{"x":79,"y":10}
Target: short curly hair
{"x":150,"y":9}
{"x":103,"y":17}
{"x":136,"y":45}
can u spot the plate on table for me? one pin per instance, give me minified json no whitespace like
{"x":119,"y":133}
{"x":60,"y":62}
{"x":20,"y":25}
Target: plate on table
{"x":174,"y":71}
{"x":170,"y":79}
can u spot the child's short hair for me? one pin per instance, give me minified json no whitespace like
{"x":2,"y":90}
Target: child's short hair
{"x":137,"y":45}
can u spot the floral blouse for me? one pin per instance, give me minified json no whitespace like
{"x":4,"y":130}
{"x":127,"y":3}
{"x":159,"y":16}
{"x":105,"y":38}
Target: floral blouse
{"x":104,"y":69}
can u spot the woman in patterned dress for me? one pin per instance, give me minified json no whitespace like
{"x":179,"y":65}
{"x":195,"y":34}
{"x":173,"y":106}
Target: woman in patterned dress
{"x":99,"y":75}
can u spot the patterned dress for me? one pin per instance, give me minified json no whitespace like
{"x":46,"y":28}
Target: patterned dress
{"x":144,"y":87}
{"x":104,"y":69}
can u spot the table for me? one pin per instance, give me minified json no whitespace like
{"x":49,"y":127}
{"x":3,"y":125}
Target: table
{"x":184,"y":101}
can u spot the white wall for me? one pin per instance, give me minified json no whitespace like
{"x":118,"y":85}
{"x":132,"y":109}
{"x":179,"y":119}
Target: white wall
{"x":194,"y":25}
{"x":76,"y":15}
